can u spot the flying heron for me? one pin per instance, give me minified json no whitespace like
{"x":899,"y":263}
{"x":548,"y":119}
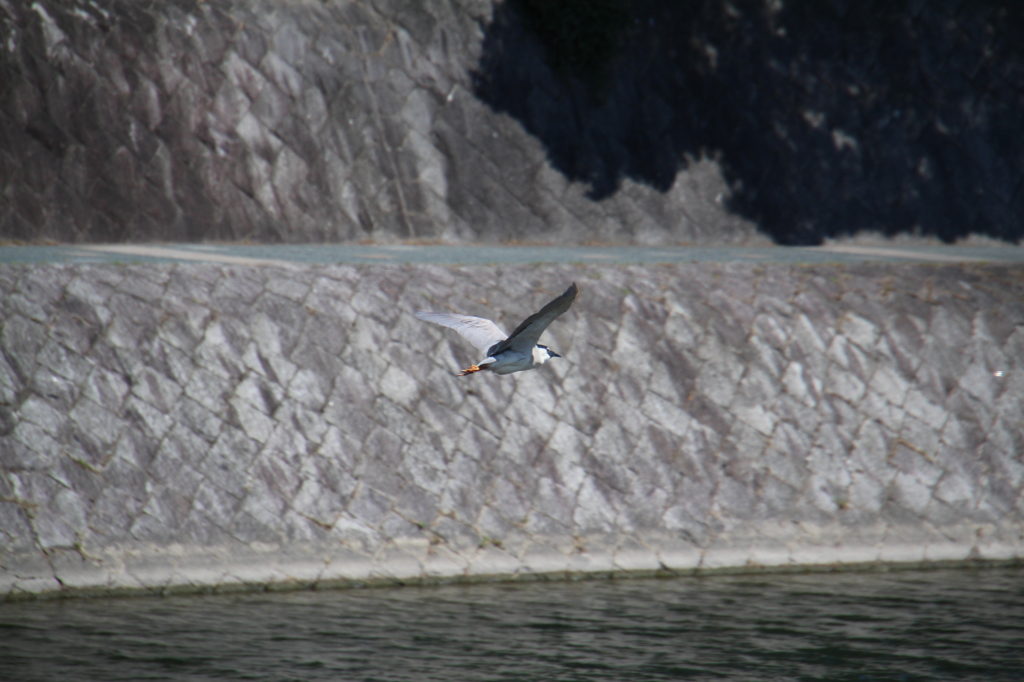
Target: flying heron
{"x":515,"y":353}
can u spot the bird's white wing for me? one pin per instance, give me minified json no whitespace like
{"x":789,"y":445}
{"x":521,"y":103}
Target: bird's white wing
{"x":480,"y":332}
{"x":526,"y":335}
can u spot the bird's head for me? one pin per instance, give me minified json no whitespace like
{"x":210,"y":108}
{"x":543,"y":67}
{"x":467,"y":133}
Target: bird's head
{"x":542,"y":353}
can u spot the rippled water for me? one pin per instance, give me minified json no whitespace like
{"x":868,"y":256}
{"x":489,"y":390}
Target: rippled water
{"x":934,"y":625}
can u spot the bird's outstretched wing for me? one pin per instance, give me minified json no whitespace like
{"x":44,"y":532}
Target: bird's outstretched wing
{"x":480,"y":332}
{"x":526,"y":335}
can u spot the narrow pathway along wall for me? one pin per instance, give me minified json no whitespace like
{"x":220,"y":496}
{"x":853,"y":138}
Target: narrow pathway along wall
{"x":189,"y":426}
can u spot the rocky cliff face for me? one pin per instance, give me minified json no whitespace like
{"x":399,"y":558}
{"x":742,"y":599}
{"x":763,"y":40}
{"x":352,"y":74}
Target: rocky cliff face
{"x":461,"y":120}
{"x":289,"y":122}
{"x":191,"y":426}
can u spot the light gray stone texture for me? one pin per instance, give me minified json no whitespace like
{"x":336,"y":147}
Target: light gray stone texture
{"x":180,"y":426}
{"x":292,"y":121}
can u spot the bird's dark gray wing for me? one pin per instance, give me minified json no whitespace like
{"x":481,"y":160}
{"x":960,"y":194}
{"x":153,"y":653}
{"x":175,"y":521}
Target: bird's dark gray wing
{"x":526,"y":335}
{"x":480,"y":332}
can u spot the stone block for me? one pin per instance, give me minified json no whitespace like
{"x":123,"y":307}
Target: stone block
{"x":980,"y":383}
{"x":344,"y":567}
{"x":27,"y":577}
{"x":252,"y":420}
{"x":919,"y":406}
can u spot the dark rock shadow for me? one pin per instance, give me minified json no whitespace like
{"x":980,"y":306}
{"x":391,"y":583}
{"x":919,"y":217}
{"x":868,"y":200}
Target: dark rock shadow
{"x":829,"y":117}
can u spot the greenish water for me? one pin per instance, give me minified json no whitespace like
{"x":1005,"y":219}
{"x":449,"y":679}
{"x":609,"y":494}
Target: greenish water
{"x":930,"y":625}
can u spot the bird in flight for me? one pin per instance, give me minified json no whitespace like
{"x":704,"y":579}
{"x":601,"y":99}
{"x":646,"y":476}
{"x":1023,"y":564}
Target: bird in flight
{"x":516,"y":353}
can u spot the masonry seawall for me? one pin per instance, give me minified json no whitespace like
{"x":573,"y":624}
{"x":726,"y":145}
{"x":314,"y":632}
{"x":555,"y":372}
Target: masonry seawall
{"x":192,"y":427}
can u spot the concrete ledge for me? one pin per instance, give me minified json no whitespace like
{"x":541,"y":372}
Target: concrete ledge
{"x":177,"y":570}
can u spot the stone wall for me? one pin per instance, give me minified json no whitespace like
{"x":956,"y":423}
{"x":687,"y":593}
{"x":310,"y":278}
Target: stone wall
{"x":202,"y":426}
{"x":344,"y":120}
{"x":290,"y":121}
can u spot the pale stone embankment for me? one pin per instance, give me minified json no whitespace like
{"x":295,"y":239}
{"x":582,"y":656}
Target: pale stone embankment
{"x":209,"y":427}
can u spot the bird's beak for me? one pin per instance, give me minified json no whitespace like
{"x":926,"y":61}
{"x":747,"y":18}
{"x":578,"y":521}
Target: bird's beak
{"x":553,"y":353}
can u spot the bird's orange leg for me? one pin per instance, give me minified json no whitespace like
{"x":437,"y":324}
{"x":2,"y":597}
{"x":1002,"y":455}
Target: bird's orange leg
{"x":470,"y":370}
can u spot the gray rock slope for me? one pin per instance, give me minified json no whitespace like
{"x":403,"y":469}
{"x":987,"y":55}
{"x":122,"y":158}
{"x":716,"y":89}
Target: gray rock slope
{"x":344,"y":120}
{"x":290,"y":121}
{"x":196,"y":426}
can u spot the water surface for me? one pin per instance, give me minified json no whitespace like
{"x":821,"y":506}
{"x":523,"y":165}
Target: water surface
{"x":928,"y":625}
